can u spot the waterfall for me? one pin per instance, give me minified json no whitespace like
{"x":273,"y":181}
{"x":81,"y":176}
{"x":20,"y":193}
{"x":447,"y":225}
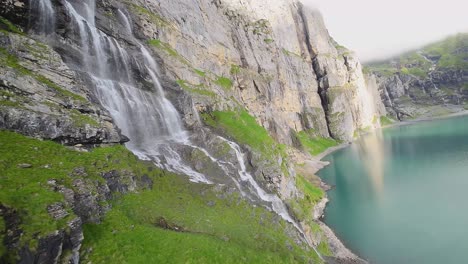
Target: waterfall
{"x":147,"y":117}
{"x":431,"y":70}
{"x":125,"y":20}
{"x":44,"y":13}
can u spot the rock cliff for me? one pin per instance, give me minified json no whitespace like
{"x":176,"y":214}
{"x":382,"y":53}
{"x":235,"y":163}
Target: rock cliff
{"x":276,"y":59}
{"x":427,"y":82}
{"x":86,"y":74}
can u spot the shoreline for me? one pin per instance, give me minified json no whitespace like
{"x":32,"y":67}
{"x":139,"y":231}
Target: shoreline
{"x":341,"y":253}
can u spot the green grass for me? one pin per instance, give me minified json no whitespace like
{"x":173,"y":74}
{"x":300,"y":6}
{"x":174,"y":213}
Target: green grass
{"x":164,"y":46}
{"x":449,"y":53}
{"x":81,"y":120}
{"x":313,"y":143}
{"x":217,"y":227}
{"x":324,"y":249}
{"x":153,"y":17}
{"x":243,"y":127}
{"x":304,"y":207}
{"x":200,"y":72}
{"x":235,"y":69}
{"x":224,"y":82}
{"x":6,"y":26}
{"x":27,"y":190}
{"x":311,"y":192}
{"x":9,"y":60}
{"x":385,"y":121}
{"x":195,"y":89}
{"x":269,"y":40}
{"x":215,"y":230}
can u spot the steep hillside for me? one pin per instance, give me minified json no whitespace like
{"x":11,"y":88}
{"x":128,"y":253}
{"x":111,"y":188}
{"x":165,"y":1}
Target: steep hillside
{"x":224,"y":103}
{"x":429,"y":81}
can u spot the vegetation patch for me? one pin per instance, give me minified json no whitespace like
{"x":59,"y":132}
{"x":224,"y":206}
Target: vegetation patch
{"x":164,"y":46}
{"x":153,"y":17}
{"x":235,"y":69}
{"x":207,"y":225}
{"x":6,"y":26}
{"x":81,"y":120}
{"x":290,"y":53}
{"x":224,"y":82}
{"x":450,"y":52}
{"x":243,"y":127}
{"x":303,"y":208}
{"x":261,"y":27}
{"x":324,"y":249}
{"x":205,"y":229}
{"x":385,"y":121}
{"x":313,"y":143}
{"x":200,"y":72}
{"x":195,"y":89}
{"x":26,"y":166}
{"x":446,"y":54}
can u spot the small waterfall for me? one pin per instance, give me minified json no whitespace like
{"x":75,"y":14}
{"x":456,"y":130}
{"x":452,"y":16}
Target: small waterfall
{"x":277,"y":204}
{"x":431,"y":70}
{"x":45,"y":14}
{"x":125,"y":20}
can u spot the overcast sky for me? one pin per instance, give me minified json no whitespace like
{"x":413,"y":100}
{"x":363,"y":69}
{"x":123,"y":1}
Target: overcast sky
{"x":377,"y":29}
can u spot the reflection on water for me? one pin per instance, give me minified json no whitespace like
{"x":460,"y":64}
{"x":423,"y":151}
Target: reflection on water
{"x":371,"y":152}
{"x":400,"y":195}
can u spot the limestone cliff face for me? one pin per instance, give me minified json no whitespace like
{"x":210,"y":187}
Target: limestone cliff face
{"x":285,"y":68}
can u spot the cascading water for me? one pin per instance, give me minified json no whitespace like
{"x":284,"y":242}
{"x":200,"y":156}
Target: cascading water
{"x":125,"y":20}
{"x":277,"y":204}
{"x":148,"y":118}
{"x":431,"y":70}
{"x":45,"y":22}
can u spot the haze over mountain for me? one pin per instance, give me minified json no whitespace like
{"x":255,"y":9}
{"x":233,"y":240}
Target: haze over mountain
{"x":380,"y":29}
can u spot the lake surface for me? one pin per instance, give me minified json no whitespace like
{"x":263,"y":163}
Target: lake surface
{"x":401,"y":194}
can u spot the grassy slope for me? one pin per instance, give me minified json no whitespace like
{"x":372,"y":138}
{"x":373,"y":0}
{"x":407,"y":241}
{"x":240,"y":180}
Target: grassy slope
{"x":315,"y":144}
{"x":449,"y":53}
{"x":243,"y":127}
{"x":219,"y":228}
{"x":27,"y":190}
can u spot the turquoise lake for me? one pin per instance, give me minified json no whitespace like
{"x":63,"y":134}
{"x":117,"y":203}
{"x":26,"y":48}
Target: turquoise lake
{"x":401,"y":195}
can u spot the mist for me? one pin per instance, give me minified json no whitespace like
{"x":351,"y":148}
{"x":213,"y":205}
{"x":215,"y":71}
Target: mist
{"x":377,"y":29}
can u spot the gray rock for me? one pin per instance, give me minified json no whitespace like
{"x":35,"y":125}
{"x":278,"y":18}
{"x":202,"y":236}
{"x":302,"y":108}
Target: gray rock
{"x":24,"y":165}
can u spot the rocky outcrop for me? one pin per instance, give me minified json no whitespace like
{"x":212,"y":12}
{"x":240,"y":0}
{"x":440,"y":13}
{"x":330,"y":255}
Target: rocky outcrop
{"x":41,"y":97}
{"x":428,"y":82}
{"x":85,"y":201}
